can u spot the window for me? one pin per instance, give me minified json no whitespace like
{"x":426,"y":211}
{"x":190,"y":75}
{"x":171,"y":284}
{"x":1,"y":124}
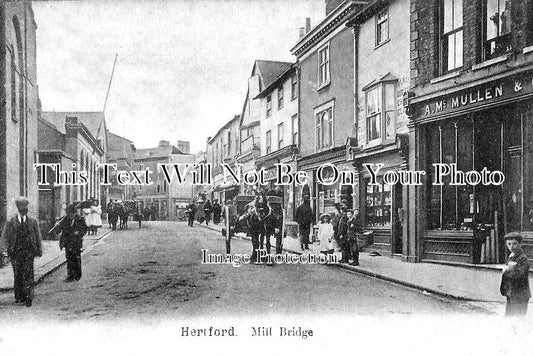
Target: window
{"x":451,"y":39}
{"x":294,"y":86}
{"x":294,"y":127}
{"x":450,"y":207}
{"x":378,"y":203}
{"x":280,"y":135}
{"x":216,"y":154}
{"x":324,"y":129}
{"x":268,"y":141}
{"x":381,"y":113}
{"x":280,"y":98}
{"x":497,"y":34}
{"x":323,"y":66}
{"x":269,"y":104}
{"x":382,"y":27}
{"x":229,"y":144}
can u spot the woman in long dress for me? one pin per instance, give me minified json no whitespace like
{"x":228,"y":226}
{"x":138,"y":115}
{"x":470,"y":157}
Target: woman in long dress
{"x":325,"y":234}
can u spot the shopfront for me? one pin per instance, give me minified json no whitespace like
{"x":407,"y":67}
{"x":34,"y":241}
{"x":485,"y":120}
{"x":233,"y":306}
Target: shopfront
{"x":381,"y":205}
{"x":324,"y":196}
{"x":486,"y":127}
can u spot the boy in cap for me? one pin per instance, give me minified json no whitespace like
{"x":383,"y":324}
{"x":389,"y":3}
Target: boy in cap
{"x":515,"y":278}
{"x":72,"y":229}
{"x":21,"y":239}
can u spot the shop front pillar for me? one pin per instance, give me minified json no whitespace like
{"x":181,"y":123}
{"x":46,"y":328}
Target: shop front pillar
{"x":414,"y":204}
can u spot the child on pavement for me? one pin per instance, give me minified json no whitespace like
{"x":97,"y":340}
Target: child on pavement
{"x":515,"y":278}
{"x":325,"y":234}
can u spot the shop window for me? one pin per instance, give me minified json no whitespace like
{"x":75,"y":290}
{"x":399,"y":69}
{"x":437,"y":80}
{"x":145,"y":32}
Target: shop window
{"x":451,"y":35}
{"x":381,"y":113}
{"x":382,"y":27}
{"x":497,"y":32}
{"x":323,"y":66}
{"x":324,"y":129}
{"x":450,"y":207}
{"x":378,"y":204}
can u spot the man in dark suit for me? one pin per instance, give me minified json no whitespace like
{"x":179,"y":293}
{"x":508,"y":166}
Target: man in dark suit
{"x":72,"y":229}
{"x":515,"y":278}
{"x":21,"y":239}
{"x":191,"y":209}
{"x":304,"y":217}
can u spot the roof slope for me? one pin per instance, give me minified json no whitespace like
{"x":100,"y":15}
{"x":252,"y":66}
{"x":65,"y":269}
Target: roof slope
{"x":269,"y":71}
{"x":92,"y":120}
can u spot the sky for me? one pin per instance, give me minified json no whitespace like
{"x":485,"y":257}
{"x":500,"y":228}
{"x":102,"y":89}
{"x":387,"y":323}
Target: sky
{"x":182,"y":66}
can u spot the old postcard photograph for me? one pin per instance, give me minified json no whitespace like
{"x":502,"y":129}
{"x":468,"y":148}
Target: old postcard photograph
{"x":260,"y":176}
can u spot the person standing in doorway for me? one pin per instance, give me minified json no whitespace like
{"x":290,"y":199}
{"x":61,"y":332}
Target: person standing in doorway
{"x":515,"y":278}
{"x":21,"y":239}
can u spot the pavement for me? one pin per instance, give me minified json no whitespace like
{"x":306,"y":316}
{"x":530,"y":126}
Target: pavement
{"x":52,"y":259}
{"x":461,"y":282}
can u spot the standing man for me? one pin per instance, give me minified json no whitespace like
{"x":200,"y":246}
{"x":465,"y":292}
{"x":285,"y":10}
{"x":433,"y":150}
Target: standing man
{"x":207,"y":212}
{"x":217,"y":212}
{"x":190,"y":214}
{"x":354,"y":227}
{"x":72,"y":229}
{"x":304,"y":217}
{"x":515,"y":278}
{"x":21,"y":239}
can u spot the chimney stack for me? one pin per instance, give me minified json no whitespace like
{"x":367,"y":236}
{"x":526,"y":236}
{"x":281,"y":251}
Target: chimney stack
{"x":307,"y":25}
{"x":301,"y":32}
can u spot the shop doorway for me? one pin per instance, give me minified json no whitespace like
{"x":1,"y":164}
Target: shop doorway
{"x":396,"y":220}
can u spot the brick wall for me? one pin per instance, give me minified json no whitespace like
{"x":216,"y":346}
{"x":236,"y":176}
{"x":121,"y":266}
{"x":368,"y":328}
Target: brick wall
{"x":424,"y":44}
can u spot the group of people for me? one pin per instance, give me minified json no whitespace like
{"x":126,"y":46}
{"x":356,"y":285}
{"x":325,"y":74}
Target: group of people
{"x":119,"y":212}
{"x":20,"y":241}
{"x":207,"y":209}
{"x":341,"y":230}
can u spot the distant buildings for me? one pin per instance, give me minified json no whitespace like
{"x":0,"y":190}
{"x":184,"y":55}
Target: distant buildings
{"x":120,"y":151}
{"x":77,"y":141}
{"x":223,"y":149}
{"x":168,"y":201}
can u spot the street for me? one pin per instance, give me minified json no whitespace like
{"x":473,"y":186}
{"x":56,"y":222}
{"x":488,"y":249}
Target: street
{"x":157,"y":271}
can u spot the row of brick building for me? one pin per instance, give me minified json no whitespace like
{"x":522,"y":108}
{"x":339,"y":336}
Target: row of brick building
{"x":404,"y":83}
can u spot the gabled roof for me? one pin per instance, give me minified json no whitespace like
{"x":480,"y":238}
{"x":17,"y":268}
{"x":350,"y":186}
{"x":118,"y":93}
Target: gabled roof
{"x":119,"y":137}
{"x":269,"y":71}
{"x":93,"y":121}
{"x":277,"y":81}
{"x":226,"y":125}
